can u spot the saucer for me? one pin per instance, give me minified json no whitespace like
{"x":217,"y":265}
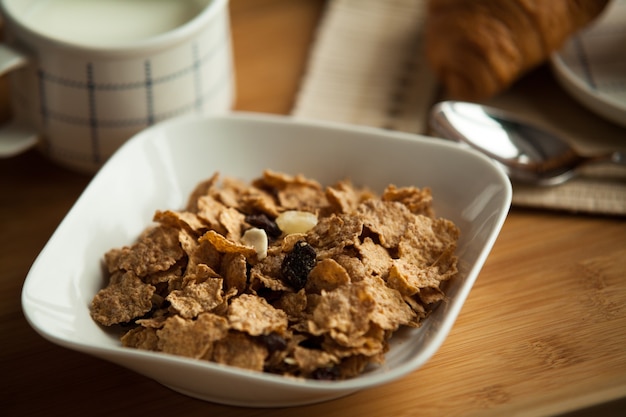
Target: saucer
{"x":591,"y":65}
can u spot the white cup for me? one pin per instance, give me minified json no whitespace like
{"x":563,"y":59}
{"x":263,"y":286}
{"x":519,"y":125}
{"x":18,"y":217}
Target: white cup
{"x":87,"y":75}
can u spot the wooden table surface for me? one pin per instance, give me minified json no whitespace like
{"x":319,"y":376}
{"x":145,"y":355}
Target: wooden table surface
{"x":542,"y":333}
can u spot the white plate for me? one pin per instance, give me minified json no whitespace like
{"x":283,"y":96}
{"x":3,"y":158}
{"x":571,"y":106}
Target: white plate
{"x":159,"y":167}
{"x":591,"y":66}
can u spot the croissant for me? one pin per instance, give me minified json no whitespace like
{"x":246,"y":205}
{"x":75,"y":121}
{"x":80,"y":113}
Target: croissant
{"x":478,"y":48}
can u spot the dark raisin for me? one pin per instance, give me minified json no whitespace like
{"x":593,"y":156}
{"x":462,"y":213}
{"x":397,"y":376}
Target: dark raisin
{"x":262,"y":221}
{"x":326,"y":374}
{"x":274,"y":342}
{"x":312,"y":342}
{"x":297,"y":265}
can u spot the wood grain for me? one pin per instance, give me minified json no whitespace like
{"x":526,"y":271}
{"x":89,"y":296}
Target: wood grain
{"x":542,"y":333}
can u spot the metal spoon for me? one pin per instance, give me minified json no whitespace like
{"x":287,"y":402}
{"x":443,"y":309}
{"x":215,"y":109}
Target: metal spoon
{"x":526,"y":152}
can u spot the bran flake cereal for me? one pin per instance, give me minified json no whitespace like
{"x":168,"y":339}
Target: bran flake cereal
{"x":339,"y":270}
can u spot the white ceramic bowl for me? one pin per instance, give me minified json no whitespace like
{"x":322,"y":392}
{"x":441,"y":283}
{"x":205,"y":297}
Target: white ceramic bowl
{"x":159,"y":167}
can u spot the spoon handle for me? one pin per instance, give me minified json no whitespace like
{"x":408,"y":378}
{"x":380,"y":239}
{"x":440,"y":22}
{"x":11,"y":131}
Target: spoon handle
{"x":615,"y":157}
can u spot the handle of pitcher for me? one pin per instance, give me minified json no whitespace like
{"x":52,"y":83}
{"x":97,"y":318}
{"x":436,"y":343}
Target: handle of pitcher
{"x":14,"y":138}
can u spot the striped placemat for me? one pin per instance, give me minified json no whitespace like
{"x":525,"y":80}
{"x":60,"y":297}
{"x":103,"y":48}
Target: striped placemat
{"x":366,"y":67}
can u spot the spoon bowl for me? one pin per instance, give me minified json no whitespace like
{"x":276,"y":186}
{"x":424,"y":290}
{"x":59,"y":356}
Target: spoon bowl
{"x":527,"y":152}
